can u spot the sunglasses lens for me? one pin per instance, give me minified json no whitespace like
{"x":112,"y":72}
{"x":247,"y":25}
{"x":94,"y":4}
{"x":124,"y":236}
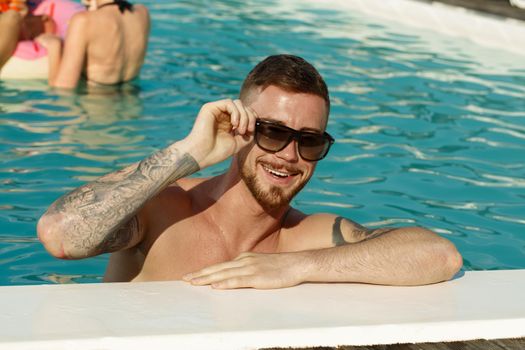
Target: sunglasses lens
{"x":272,"y":138}
{"x":313,"y":146}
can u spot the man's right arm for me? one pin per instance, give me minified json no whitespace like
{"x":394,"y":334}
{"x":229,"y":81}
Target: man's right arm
{"x":100,"y":217}
{"x":104,"y":216}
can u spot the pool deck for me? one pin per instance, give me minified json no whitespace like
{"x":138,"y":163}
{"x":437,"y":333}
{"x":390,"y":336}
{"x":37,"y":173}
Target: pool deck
{"x":497,"y":344}
{"x":500,"y":8}
{"x":493,"y":24}
{"x":174,"y":315}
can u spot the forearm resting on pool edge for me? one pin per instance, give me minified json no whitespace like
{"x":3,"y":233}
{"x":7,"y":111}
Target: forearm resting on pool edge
{"x":99,"y":217}
{"x":405,"y":256}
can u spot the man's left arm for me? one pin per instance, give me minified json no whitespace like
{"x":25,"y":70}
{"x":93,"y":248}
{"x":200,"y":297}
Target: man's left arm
{"x":388,"y":256}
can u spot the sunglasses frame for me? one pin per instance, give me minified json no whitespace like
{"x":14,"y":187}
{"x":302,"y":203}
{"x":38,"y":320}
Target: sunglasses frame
{"x":294,"y":135}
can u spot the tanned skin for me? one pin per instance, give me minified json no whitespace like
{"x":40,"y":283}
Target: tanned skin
{"x":117,"y":197}
{"x":104,"y":45}
{"x":236,"y":229}
{"x":10,"y":25}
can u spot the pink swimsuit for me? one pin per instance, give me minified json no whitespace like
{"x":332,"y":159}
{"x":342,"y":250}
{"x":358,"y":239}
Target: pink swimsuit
{"x":61,"y":12}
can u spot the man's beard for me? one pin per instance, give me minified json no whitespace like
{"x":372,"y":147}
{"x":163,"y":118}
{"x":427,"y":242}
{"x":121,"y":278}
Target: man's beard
{"x":275,"y":197}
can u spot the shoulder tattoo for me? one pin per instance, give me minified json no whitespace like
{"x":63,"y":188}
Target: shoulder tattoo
{"x":358,"y":232}
{"x":337,"y":234}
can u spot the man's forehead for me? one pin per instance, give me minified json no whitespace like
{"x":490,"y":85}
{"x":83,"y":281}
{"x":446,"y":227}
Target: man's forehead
{"x":297,"y":110}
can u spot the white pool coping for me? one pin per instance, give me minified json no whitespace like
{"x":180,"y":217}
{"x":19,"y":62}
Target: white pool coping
{"x":484,"y":29}
{"x":174,"y":315}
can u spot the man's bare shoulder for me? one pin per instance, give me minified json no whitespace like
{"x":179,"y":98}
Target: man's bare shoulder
{"x":316,"y":231}
{"x":302,"y":231}
{"x":178,"y":193}
{"x":296,"y":220}
{"x":181,"y":194}
{"x":190,"y":183}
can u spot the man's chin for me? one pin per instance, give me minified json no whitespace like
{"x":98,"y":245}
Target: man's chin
{"x":269,"y":196}
{"x":273,"y":203}
{"x":272,"y":197}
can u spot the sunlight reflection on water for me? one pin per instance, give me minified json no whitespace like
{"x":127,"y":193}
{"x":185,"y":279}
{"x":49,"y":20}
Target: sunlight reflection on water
{"x":423,"y":137}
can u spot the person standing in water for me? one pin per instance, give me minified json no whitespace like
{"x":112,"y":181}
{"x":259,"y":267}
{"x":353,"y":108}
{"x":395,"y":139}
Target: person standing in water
{"x":237,"y":229}
{"x":12,"y":14}
{"x":107,"y":44}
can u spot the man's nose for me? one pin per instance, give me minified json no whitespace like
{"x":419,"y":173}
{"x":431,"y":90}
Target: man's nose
{"x":289,"y":153}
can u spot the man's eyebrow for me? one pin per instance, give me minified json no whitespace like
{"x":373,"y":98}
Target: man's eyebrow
{"x":317,"y":131}
{"x":275,"y":121}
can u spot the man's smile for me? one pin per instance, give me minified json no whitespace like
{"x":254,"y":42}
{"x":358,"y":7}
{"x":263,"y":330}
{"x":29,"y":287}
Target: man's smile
{"x":279,"y":173}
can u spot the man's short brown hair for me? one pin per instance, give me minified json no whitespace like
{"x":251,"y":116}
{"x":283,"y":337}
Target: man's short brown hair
{"x":288,"y":72}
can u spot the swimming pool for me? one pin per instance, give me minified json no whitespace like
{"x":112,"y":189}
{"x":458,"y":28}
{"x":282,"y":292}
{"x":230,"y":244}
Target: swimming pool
{"x":429,"y":130}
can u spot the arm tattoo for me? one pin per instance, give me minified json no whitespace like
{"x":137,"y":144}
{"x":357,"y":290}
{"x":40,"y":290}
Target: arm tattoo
{"x":101,"y":215}
{"x":337,"y":235}
{"x":120,"y":237}
{"x":378,"y":232}
{"x":360,"y":233}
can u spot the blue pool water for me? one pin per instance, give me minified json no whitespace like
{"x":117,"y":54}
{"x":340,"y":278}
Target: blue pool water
{"x":429,"y":130}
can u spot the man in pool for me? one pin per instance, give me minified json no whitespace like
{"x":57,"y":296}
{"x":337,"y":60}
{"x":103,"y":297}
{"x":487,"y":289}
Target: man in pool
{"x":238,"y":229}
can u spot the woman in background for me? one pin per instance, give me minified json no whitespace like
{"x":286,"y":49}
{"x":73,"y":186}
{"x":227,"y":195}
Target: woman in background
{"x":106,"y":44}
{"x":11,"y":16}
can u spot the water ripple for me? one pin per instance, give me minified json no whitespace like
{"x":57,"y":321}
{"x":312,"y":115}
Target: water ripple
{"x":429,"y":131}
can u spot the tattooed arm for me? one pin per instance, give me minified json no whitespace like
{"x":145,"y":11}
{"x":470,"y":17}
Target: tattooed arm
{"x":100,"y":217}
{"x":104,"y":216}
{"x":350,"y":253}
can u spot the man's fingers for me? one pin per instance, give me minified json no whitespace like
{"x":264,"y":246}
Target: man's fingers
{"x":218,"y":272}
{"x":235,"y":282}
{"x":243,"y":117}
{"x":248,"y":281}
{"x":244,"y":255}
{"x":252,"y":117}
{"x":242,"y":120}
{"x":233,"y":111}
{"x":212,"y":269}
{"x":251,"y":270}
{"x":220,"y":276}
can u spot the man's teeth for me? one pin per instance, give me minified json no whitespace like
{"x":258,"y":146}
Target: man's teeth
{"x":275,"y":172}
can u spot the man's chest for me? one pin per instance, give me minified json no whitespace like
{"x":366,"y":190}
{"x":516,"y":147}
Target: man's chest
{"x":191,"y":245}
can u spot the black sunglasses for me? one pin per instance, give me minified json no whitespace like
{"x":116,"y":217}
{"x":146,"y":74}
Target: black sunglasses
{"x":274,"y":137}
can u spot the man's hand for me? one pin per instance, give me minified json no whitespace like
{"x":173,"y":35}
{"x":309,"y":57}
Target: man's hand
{"x":221,"y":129}
{"x":254,"y":270}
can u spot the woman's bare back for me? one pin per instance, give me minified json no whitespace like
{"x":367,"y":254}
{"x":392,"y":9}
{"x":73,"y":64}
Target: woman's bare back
{"x":116,"y":43}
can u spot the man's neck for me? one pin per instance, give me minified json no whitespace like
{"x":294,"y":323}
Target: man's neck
{"x":242,"y":221}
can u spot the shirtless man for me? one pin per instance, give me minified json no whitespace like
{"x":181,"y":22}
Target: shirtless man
{"x":238,"y":229}
{"x":107,"y":44}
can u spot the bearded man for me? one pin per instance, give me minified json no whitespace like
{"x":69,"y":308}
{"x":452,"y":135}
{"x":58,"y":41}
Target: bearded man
{"x":237,"y":229}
